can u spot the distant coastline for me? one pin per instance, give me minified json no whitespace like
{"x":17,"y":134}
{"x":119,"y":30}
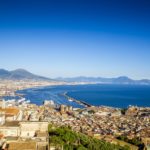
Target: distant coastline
{"x":24,"y":75}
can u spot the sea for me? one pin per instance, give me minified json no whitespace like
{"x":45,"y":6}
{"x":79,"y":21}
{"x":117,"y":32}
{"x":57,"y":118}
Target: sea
{"x":120,"y":96}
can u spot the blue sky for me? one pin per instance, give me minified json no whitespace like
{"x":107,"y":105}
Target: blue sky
{"x":76,"y":37}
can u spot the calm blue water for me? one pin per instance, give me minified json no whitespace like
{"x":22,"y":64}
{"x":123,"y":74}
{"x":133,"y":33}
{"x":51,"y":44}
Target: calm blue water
{"x":109,"y":95}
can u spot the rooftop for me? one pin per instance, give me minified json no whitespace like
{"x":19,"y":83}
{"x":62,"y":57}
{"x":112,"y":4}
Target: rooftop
{"x":10,"y":111}
{"x":11,"y":124}
{"x":22,"y":145}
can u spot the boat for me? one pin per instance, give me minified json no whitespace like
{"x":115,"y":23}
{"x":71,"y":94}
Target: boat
{"x":70,"y":100}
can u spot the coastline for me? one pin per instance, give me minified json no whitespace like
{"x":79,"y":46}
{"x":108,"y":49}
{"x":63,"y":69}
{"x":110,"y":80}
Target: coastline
{"x":63,"y":96}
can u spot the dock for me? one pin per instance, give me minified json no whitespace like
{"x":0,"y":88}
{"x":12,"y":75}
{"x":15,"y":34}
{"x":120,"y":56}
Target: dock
{"x":81,"y":102}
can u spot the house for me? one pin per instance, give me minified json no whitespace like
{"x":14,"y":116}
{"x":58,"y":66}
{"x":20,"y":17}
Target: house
{"x":29,"y":129}
{"x":2,"y":118}
{"x":11,"y":114}
{"x":10,"y":129}
{"x":25,"y":135}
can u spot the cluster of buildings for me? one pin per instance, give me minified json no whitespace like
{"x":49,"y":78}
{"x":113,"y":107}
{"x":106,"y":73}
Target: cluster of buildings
{"x":24,"y":123}
{"x":24,"y":126}
{"x":8,"y":87}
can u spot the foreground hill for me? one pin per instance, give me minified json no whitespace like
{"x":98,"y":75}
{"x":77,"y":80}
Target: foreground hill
{"x":20,"y":74}
{"x":64,"y":137}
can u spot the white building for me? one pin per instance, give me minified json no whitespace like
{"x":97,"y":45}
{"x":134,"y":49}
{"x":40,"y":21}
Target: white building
{"x":2,"y":118}
{"x":29,"y":129}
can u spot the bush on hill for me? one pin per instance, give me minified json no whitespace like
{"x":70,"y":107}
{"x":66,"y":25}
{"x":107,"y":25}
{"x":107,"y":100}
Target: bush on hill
{"x":70,"y":140}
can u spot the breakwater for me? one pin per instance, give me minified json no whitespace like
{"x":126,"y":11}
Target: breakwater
{"x":80,"y":102}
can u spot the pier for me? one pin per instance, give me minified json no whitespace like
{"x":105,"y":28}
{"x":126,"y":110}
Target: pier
{"x":81,"y":102}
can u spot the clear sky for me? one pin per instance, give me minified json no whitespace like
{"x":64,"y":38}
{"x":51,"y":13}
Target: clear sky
{"x":106,"y":38}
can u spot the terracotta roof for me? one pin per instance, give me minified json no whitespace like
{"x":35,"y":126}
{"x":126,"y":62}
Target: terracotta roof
{"x":1,"y":136}
{"x":10,"y":111}
{"x":22,"y":146}
{"x":11,"y":124}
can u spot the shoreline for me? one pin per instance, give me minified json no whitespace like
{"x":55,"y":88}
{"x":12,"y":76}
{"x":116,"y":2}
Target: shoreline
{"x":66,"y":96}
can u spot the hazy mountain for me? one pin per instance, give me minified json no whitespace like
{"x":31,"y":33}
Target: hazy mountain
{"x":85,"y":79}
{"x":118,"y":80}
{"x":20,"y":74}
{"x":4,"y":73}
{"x":123,"y":79}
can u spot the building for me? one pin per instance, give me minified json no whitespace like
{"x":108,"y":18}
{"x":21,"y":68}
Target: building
{"x":10,"y":129}
{"x":11,"y":114}
{"x":62,"y":108}
{"x":2,"y":104}
{"x":2,"y":118}
{"x":25,"y":135}
{"x":29,"y":129}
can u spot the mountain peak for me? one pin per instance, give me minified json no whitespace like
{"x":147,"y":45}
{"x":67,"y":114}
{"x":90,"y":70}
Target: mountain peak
{"x":123,"y":77}
{"x":20,"y":74}
{"x":20,"y":70}
{"x":118,"y":80}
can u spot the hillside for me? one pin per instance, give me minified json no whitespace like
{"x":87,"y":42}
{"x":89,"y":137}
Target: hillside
{"x":20,"y":74}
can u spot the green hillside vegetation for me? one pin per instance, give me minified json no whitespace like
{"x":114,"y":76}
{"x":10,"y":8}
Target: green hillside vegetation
{"x":70,"y":140}
{"x":134,"y":141}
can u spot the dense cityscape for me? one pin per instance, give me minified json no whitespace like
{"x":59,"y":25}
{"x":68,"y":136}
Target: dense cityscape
{"x":74,"y":74}
{"x":22,"y":121}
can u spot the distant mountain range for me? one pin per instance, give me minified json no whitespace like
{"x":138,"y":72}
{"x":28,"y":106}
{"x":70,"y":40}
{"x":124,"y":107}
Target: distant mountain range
{"x":20,"y":74}
{"x":118,"y":80}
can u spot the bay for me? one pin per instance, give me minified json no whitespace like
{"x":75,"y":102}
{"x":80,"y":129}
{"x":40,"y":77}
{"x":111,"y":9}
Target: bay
{"x":98,"y":94}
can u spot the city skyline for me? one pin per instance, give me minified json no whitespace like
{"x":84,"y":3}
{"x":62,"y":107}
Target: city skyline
{"x":76,"y":38}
